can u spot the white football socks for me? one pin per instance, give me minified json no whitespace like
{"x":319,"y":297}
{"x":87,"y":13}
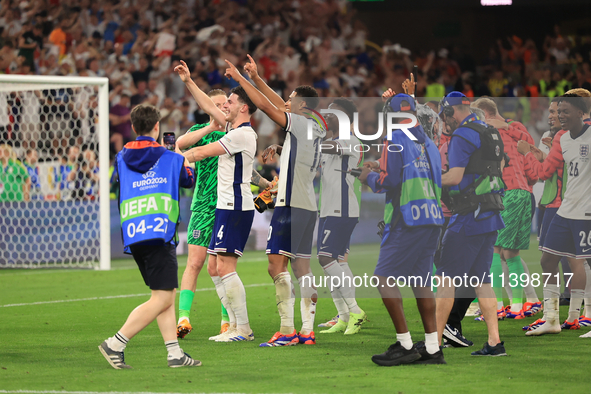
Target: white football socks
{"x":339,"y":302}
{"x":405,"y":340}
{"x":117,"y":342}
{"x":551,"y":298}
{"x":308,"y":302}
{"x":173,"y":348}
{"x":574,"y":309}
{"x":284,"y":300}
{"x":431,"y":343}
{"x":334,"y":269}
{"x":529,"y":291}
{"x":221,"y":290}
{"x":551,"y":312}
{"x":348,"y":274}
{"x":237,"y":299}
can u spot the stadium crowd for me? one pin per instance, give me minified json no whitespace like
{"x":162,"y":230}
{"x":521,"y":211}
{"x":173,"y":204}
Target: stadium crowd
{"x":318,"y":43}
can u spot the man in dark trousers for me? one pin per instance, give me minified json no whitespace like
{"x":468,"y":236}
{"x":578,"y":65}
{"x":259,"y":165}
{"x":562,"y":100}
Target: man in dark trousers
{"x":149,"y":177}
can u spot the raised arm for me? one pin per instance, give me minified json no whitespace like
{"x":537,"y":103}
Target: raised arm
{"x":190,"y":138}
{"x":260,"y":100}
{"x":202,"y":99}
{"x":252,"y":70}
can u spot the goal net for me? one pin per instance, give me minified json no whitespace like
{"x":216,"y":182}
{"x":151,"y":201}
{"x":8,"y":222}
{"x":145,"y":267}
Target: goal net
{"x":54,"y":172}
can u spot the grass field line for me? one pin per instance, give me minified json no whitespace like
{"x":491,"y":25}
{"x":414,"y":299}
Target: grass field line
{"x":111,"y":297}
{"x":84,"y":392}
{"x":52,"y":270}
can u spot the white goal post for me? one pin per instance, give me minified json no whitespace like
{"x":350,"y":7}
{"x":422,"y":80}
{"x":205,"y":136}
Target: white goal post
{"x":52,"y":115}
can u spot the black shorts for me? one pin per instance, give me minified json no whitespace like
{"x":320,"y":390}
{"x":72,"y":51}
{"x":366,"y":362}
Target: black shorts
{"x":158,"y":265}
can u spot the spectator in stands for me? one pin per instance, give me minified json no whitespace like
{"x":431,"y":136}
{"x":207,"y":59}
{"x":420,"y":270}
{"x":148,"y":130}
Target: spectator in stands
{"x":170,"y":117}
{"x":135,"y":42}
{"x":119,"y":117}
{"x":58,"y":36}
{"x":30,"y":41}
{"x":141,"y":93}
{"x":31,"y":158}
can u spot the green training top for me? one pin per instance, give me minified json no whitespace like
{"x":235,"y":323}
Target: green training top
{"x":206,"y":173}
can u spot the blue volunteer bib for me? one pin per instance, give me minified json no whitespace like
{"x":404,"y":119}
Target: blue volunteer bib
{"x":149,"y":202}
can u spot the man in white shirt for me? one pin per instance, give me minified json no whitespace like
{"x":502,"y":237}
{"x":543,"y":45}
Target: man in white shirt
{"x":339,"y":214}
{"x":570,"y":228}
{"x":235,"y":206}
{"x":294,"y":218}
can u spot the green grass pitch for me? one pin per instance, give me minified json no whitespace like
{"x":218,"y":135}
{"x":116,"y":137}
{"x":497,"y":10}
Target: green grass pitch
{"x":53,"y":346}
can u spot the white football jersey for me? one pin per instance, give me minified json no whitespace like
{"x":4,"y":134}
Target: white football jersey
{"x":576,"y":203}
{"x":235,"y":169}
{"x":300,"y":159}
{"x":337,"y":196}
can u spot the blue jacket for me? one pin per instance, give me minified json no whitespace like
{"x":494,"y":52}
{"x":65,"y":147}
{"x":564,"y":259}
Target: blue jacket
{"x":407,"y":164}
{"x":149,"y":178}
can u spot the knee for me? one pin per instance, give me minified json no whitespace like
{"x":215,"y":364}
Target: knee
{"x":274,"y":269}
{"x":195,"y":264}
{"x":164,"y":298}
{"x":223,"y":271}
{"x":548,"y":263}
{"x":324,"y":261}
{"x":212,"y":269}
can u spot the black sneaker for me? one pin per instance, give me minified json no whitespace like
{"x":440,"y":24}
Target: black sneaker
{"x":495,"y":351}
{"x":454,"y":338}
{"x":116,"y":359}
{"x":396,"y":355}
{"x":426,"y":357}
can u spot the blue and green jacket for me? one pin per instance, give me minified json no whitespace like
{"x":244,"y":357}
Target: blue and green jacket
{"x":149,"y":178}
{"x":410,"y":175}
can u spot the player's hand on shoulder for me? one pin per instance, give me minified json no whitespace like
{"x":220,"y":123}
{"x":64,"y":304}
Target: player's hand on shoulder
{"x":547,"y":141}
{"x":251,"y":68}
{"x":215,"y":126}
{"x":183,"y":71}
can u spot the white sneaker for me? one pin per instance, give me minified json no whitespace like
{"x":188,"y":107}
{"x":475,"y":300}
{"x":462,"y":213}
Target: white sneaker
{"x":230,"y":328}
{"x":473,"y":310}
{"x":235,"y":335}
{"x":215,"y":337}
{"x":588,"y":335}
{"x":545,"y":328}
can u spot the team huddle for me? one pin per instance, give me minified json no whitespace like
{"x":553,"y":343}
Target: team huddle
{"x":463,"y":204}
{"x":221,"y":228}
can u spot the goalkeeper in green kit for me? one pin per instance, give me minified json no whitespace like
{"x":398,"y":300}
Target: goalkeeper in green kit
{"x":203,"y":214}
